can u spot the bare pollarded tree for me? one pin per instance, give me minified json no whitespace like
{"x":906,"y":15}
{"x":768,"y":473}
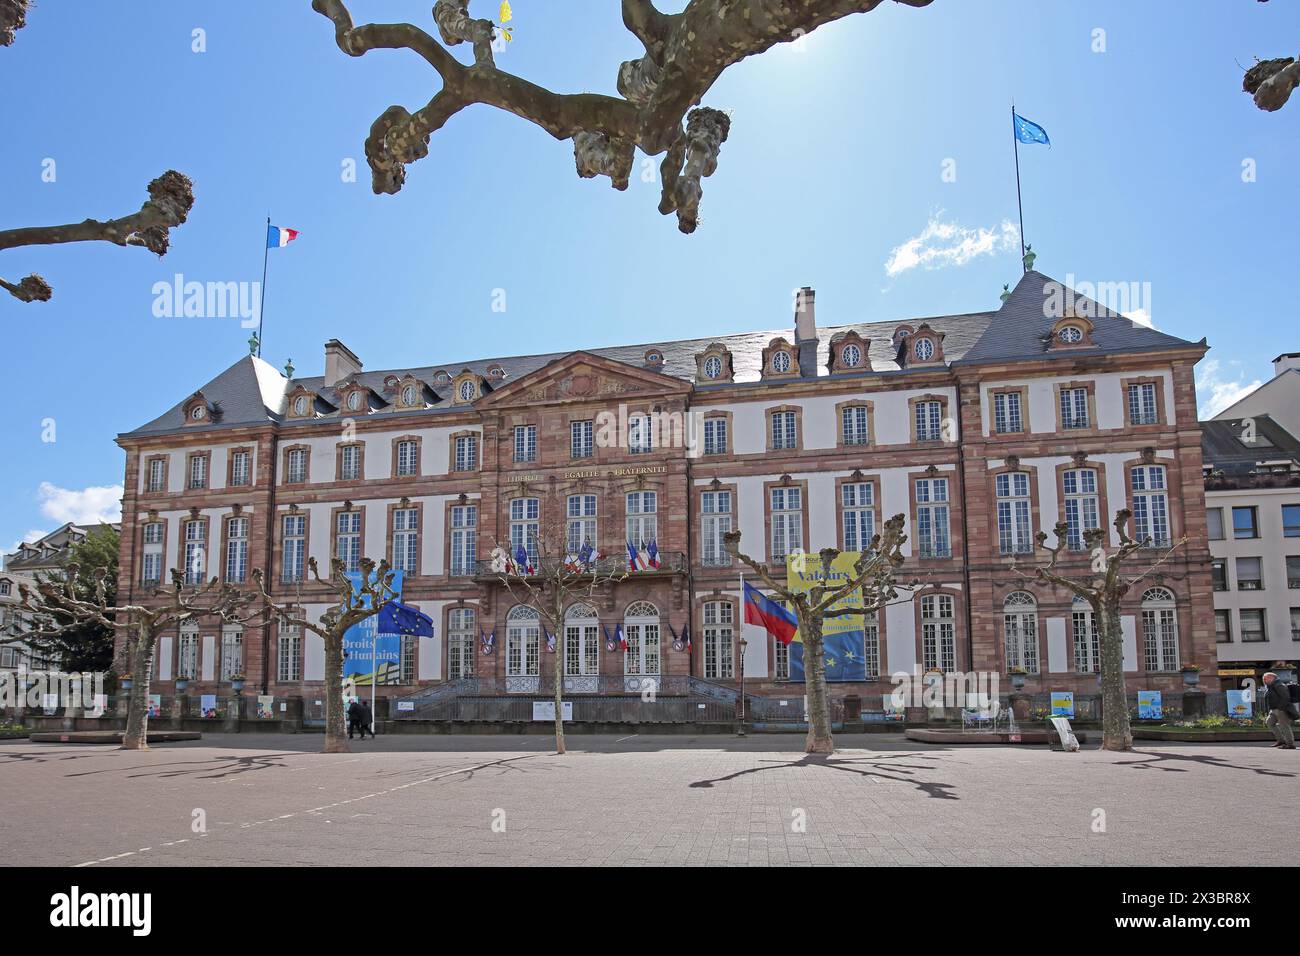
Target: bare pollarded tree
{"x":657,"y":110}
{"x":873,"y":576}
{"x":354,"y":603}
{"x":56,"y":607}
{"x":1270,"y":82}
{"x":551,"y":582}
{"x":13,"y":17}
{"x":1104,"y":588}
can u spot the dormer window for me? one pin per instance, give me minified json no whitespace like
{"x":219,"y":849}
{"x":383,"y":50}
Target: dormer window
{"x":654,"y":357}
{"x":496,"y":372}
{"x":300,"y":405}
{"x":409,"y":394}
{"x":712,"y":367}
{"x":1071,"y":334}
{"x":467,"y":390}
{"x":850,"y":356}
{"x":923,"y":350}
{"x":781,"y":362}
{"x":198,"y":413}
{"x":354,"y":401}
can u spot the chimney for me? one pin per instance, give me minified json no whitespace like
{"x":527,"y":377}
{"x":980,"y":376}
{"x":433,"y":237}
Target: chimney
{"x":1285,"y":362}
{"x":340,"y":362}
{"x":805,"y":315}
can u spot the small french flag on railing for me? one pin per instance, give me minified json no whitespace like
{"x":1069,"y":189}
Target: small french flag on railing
{"x":278,"y":236}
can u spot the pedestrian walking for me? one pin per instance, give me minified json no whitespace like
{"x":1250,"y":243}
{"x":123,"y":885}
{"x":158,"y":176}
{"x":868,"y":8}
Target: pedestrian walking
{"x":1281,"y":712}
{"x":367,"y":721}
{"x":355,"y":713}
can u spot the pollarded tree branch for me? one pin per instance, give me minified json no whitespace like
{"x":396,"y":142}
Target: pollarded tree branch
{"x":1270,"y":82}
{"x":13,"y":17}
{"x":656,"y":111}
{"x":170,"y":198}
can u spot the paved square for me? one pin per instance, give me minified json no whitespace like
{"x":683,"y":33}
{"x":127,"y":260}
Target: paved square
{"x":431,"y":800}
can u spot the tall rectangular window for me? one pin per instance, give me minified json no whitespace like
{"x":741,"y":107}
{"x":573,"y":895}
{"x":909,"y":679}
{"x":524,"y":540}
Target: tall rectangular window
{"x":1006,"y":412}
{"x":1020,"y":635}
{"x":1223,"y":627}
{"x":289,"y":654}
{"x":240,"y":470}
{"x":1245,"y":522}
{"x":1248,"y":575}
{"x":787,"y":521}
{"x":460,"y":642}
{"x":1219,"y":574}
{"x":232,"y":651}
{"x":1074,"y":408}
{"x":855,"y":425}
{"x":151,"y":564}
{"x":294,"y":544}
{"x":642,"y":518}
{"x":158,"y":474}
{"x":858,"y":504}
{"x":464,"y":539}
{"x":1082,"y":508}
{"x":237,"y":550}
{"x":524,"y":520}
{"x":1142,"y":404}
{"x":784,"y":431}
{"x":1295,"y":623}
{"x":296,"y":467}
{"x":1151,"y":505}
{"x":581,"y":441}
{"x":187,"y":657}
{"x":939,"y":632}
{"x":198,"y":471}
{"x":408,"y":458}
{"x":933,"y":540}
{"x":719,"y":618}
{"x":406,"y":540}
{"x":525,"y":443}
{"x":1015,"y":530}
{"x":928,"y":421}
{"x":580,"y":522}
{"x":1214,"y":523}
{"x":466,"y":453}
{"x":196,"y":551}
{"x":347,"y":542}
{"x":1291,"y":521}
{"x":1293,"y":571}
{"x":781,"y":661}
{"x":1087,"y":649}
{"x":1253,"y":629}
{"x":715,"y":523}
{"x":640,"y":437}
{"x":715,"y":436}
{"x":1160,"y":639}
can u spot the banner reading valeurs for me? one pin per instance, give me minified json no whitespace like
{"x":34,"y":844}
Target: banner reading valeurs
{"x":843,"y":638}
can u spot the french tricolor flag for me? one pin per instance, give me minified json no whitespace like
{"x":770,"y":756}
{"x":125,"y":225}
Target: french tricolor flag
{"x":277,"y":236}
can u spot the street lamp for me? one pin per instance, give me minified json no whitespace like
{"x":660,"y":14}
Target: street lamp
{"x":743,"y":642}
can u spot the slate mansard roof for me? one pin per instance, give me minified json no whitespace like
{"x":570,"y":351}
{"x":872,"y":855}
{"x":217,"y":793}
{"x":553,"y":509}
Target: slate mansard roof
{"x":1238,"y":447}
{"x":253,"y":392}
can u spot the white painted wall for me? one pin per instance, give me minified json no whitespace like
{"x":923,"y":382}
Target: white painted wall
{"x":1044,"y":415}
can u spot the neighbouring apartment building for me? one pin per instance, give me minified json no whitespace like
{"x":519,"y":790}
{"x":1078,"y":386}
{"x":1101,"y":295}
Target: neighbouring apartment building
{"x":982,"y":428}
{"x":48,"y":554}
{"x":1252,"y":497}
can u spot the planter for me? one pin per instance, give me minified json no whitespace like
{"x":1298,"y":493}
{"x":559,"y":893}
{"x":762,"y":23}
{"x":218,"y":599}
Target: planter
{"x":237,"y":685}
{"x":1191,"y":678}
{"x":182,"y":685}
{"x":126,"y":683}
{"x":1018,"y":680}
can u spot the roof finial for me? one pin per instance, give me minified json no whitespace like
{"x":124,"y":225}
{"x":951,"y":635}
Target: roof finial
{"x":1030,"y":256}
{"x":1006,"y":292}
{"x":252,"y":344}
{"x":288,"y":368}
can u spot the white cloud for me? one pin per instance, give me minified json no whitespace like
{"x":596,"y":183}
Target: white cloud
{"x":87,"y":506}
{"x":1141,"y":317}
{"x":1215,"y":392}
{"x":943,"y":244}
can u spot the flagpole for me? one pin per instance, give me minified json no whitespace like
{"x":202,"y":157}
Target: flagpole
{"x":266,"y":249}
{"x":1015,"y":140}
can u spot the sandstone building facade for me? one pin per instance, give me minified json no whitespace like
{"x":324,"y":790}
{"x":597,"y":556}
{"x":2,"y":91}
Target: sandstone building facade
{"x":982,"y":428}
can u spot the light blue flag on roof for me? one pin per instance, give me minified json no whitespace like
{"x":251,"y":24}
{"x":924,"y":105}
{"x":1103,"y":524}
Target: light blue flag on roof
{"x":1029,"y":132}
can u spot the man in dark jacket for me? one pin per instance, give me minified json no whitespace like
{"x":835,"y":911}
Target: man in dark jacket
{"x":354,"y":719}
{"x":367,"y":721}
{"x":1278,"y":701}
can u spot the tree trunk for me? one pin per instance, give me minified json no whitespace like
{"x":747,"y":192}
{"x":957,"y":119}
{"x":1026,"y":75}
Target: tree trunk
{"x":136,"y":736}
{"x":1115,"y":731}
{"x":814,"y":673}
{"x":559,"y":691}
{"x":336,"y":741}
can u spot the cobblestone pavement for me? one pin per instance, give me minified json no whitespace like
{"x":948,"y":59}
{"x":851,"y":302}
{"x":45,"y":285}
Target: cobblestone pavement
{"x":510,"y":800}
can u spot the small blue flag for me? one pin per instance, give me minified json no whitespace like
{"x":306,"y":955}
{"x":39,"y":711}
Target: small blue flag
{"x":1029,"y":132}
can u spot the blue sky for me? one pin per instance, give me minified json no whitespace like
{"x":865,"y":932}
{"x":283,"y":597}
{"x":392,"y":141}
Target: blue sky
{"x":834,"y":163}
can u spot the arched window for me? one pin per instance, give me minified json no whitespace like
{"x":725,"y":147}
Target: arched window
{"x":460,"y":642}
{"x":1159,"y":630}
{"x":1020,"y":629}
{"x":523,"y":632}
{"x":581,"y":648}
{"x":641,"y":628}
{"x":1087,"y":651}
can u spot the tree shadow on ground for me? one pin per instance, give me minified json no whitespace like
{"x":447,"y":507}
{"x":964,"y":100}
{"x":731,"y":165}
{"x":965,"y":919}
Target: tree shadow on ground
{"x":211,"y":768}
{"x":879,"y":764}
{"x":1153,"y":760}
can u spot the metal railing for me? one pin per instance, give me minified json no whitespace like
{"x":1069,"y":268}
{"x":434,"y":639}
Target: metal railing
{"x":670,"y":562}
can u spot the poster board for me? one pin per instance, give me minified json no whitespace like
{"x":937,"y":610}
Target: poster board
{"x":843,"y":638}
{"x":1062,"y":703}
{"x":1149,"y":705}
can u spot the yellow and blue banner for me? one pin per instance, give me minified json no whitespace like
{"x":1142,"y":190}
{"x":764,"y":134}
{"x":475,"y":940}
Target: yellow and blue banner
{"x":843,"y":638}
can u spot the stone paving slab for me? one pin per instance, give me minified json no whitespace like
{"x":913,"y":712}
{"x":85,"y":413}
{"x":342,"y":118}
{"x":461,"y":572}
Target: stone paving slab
{"x":643,"y":800}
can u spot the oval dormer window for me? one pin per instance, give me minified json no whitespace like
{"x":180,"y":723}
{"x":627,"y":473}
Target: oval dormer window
{"x":924,"y":350}
{"x":1071,"y":335}
{"x":198,"y":412}
{"x":354,"y":401}
{"x":654,"y":358}
{"x":712,"y":367}
{"x":300,"y":405}
{"x":408,"y":395}
{"x":466,"y":391}
{"x":781,"y":362}
{"x":850,"y":356}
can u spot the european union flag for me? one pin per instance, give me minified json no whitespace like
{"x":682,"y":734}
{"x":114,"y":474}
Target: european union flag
{"x":397,"y":618}
{"x":1029,"y":132}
